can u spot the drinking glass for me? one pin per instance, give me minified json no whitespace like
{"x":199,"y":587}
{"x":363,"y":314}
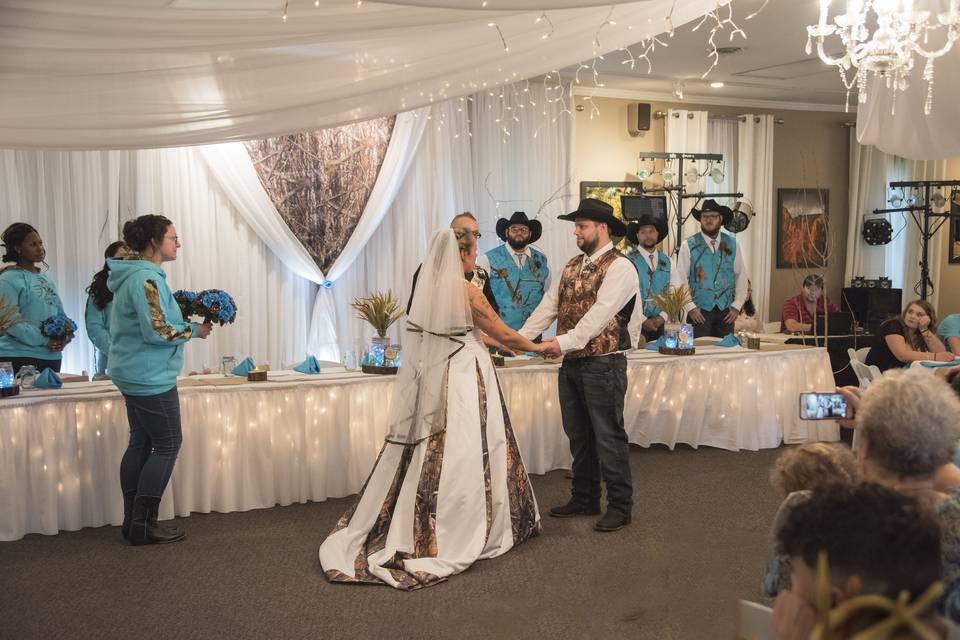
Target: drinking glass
{"x":227,"y":364}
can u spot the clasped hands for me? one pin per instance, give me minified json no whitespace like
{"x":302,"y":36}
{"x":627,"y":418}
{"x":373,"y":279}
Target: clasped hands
{"x":549,"y":348}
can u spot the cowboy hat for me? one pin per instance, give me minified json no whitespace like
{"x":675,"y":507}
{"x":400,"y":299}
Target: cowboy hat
{"x":519,"y":217}
{"x":726,"y":213}
{"x":598,"y":211}
{"x":633,"y":228}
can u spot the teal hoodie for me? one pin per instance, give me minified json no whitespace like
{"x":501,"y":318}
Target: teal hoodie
{"x":37,"y":299}
{"x":147,"y":330}
{"x":98,"y":329}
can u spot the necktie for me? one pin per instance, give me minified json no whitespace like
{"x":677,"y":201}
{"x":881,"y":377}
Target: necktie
{"x":653,"y":263}
{"x":585,"y":265}
{"x":520,"y":257}
{"x":713,"y":245}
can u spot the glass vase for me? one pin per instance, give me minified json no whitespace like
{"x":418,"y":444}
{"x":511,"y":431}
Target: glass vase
{"x":677,"y":339}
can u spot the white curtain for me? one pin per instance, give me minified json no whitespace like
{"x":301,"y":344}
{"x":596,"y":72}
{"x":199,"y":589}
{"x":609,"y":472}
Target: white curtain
{"x":686,"y":132}
{"x":531,"y":170}
{"x":755,"y":181}
{"x":157,"y":73}
{"x":723,"y":138}
{"x":72,"y":201}
{"x":871,"y":171}
{"x":231,"y":167}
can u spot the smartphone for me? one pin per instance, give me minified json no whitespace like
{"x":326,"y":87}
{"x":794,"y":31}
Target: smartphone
{"x":824,"y":406}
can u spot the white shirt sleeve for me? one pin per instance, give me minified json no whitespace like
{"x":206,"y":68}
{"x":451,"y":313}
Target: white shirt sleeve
{"x":740,"y":294}
{"x":545,"y":313}
{"x":680,"y":273}
{"x":483,"y":262}
{"x":619,"y":285}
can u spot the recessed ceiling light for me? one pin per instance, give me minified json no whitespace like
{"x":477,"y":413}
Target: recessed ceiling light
{"x":716,"y":85}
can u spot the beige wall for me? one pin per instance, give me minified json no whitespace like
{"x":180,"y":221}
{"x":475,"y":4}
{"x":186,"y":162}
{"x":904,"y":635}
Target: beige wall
{"x":949,"y":301}
{"x":811,"y":150}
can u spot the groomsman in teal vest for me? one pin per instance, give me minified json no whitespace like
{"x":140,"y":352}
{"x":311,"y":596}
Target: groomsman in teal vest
{"x":518,"y":272}
{"x":711,"y":265}
{"x":653,"y":268}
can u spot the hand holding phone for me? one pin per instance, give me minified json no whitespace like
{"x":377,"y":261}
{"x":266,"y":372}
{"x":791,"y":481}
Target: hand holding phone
{"x":826,"y":405}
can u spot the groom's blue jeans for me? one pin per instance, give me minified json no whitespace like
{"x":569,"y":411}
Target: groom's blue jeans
{"x":591,"y":406}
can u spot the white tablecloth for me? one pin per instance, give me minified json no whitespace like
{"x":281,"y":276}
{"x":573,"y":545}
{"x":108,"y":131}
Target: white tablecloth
{"x":299,"y":438}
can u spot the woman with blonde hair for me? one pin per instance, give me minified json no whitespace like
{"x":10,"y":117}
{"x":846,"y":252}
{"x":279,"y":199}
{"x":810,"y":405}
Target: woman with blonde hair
{"x":909,"y":337}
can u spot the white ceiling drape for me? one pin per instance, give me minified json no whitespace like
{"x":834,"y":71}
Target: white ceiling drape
{"x":106,"y":74}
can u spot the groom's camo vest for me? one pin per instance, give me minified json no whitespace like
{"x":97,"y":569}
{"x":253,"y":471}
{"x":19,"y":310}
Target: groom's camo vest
{"x":578,"y":292}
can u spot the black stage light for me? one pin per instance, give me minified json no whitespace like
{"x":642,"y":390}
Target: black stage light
{"x":877,"y":231}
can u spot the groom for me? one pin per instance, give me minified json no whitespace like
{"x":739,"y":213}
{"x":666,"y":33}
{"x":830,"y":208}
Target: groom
{"x":596,"y":303}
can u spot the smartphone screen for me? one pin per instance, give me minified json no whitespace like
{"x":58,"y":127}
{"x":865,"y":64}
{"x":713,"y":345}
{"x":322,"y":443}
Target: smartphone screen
{"x":823,"y":406}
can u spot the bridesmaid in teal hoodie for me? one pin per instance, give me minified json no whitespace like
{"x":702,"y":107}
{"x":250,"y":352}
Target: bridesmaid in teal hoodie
{"x":147,"y":334}
{"x":99,"y":303}
{"x":26,"y":287}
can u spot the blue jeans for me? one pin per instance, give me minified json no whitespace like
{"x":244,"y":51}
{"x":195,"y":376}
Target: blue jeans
{"x":155,"y":438}
{"x":591,"y":406}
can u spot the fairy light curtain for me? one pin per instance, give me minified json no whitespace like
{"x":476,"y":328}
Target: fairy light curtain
{"x":162,"y":74}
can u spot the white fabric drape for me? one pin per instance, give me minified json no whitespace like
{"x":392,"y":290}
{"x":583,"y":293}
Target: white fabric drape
{"x":755,"y":182}
{"x":233,"y":170}
{"x":159,"y":73}
{"x":525,"y":169}
{"x":871,"y":171}
{"x":686,"y":132}
{"x":868,"y":191}
{"x":723,"y":138}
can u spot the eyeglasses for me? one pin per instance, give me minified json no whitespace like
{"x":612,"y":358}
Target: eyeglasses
{"x":476,"y":234}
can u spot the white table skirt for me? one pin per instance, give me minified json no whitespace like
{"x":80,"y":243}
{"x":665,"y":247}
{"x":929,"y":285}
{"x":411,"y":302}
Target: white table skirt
{"x":306,"y":438}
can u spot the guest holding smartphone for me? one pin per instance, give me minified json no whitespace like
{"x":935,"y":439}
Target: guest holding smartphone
{"x":146,"y":354}
{"x":99,"y":303}
{"x":24,"y":285}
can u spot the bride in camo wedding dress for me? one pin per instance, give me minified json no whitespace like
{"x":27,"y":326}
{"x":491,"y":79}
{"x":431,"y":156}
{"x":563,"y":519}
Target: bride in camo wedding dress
{"x":449,"y":486}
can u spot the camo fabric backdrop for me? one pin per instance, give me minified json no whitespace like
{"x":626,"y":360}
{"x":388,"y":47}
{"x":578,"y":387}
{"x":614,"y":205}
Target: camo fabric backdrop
{"x":320,"y":181}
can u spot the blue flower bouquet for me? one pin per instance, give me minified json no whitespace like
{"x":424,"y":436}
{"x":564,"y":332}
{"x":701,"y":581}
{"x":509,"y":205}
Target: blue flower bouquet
{"x":58,"y":327}
{"x":185,"y":300}
{"x":214,"y":305}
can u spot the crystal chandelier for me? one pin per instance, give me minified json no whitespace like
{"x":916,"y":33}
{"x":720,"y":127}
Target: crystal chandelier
{"x":901,"y":34}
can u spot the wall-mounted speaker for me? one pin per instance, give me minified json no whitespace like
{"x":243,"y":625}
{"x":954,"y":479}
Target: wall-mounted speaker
{"x":638,"y":118}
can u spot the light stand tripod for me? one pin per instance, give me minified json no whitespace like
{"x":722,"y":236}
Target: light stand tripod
{"x":678,"y":192}
{"x":922,"y":215}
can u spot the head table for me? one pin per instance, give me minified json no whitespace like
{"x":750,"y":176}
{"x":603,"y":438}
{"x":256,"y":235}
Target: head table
{"x":303,"y":437}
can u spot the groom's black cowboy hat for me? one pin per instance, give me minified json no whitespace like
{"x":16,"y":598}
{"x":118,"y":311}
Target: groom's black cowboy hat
{"x":598,"y":211}
{"x":726,"y":213}
{"x":519,"y":217}
{"x":633,"y":228}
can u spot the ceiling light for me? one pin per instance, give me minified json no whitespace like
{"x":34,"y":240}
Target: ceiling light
{"x":716,"y":85}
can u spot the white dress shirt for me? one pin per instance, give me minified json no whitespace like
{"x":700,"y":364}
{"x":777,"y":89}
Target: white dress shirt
{"x":680,"y":274}
{"x":651,"y":259}
{"x":618,"y":286}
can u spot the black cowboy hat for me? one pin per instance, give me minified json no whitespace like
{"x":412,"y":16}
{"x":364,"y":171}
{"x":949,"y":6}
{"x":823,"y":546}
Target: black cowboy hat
{"x":519,"y":217}
{"x":726,"y":213}
{"x":633,"y":228}
{"x":598,"y":211}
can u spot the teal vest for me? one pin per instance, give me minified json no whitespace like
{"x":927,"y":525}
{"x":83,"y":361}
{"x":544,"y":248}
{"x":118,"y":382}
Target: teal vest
{"x":712,"y":280}
{"x":517,"y":291}
{"x":651,"y":282}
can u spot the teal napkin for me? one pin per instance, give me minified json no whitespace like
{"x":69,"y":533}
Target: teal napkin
{"x":655,"y":345}
{"x":48,"y":379}
{"x":729,"y":340}
{"x":932,"y":364}
{"x":244,"y":367}
{"x":310,"y":365}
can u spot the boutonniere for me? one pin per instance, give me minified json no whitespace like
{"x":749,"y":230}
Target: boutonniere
{"x":661,"y":264}
{"x":724,"y":249}
{"x":590,"y":267}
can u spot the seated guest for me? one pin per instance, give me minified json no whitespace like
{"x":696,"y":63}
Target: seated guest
{"x":877,"y":542}
{"x":653,"y":269}
{"x":949,"y":333}
{"x":908,"y":430}
{"x":798,"y":311}
{"x":35,"y":296}
{"x":97,"y":314}
{"x":796,"y":475}
{"x":909,"y":337}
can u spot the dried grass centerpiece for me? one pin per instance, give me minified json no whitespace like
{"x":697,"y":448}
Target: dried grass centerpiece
{"x":677,"y":337}
{"x":380,"y":310}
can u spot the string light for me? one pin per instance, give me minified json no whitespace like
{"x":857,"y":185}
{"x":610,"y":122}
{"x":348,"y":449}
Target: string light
{"x":503,"y":40}
{"x":543,"y":17}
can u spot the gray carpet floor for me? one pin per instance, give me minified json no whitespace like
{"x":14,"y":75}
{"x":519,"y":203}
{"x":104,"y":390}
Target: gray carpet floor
{"x":698,"y":543}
